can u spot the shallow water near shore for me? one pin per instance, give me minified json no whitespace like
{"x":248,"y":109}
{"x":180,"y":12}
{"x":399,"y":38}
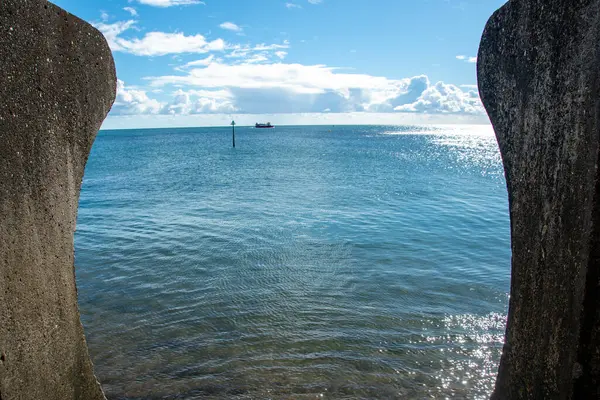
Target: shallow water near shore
{"x":309,"y":262}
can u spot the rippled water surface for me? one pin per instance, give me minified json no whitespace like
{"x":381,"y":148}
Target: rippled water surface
{"x":309,"y":262}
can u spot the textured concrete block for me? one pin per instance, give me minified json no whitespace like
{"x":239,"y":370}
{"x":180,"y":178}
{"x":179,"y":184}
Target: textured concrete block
{"x":57,"y":83}
{"x":538,"y":70}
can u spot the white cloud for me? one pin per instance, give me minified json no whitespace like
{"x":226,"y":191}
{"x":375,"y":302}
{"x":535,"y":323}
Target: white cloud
{"x":132,"y":101}
{"x":293,"y":5}
{"x":468,"y":59}
{"x":104,"y":16}
{"x":267,"y":47}
{"x":259,"y":53}
{"x":156,"y":43}
{"x":161,"y":43}
{"x":200,"y":102}
{"x":298,"y":77}
{"x":239,"y":51}
{"x":315,"y":1}
{"x":131,"y":11}
{"x":112,"y":31}
{"x":200,"y":63}
{"x":230,"y":26}
{"x":169,"y":3}
{"x":254,"y":79}
{"x":445,"y":98}
{"x":223,"y":94}
{"x":258,"y":85}
{"x":256,"y":59}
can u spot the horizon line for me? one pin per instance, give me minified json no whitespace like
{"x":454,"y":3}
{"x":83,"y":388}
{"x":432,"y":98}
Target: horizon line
{"x":423,"y":125}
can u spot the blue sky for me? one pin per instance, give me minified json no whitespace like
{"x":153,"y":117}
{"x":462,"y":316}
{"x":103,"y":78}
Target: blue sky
{"x":191,"y":62}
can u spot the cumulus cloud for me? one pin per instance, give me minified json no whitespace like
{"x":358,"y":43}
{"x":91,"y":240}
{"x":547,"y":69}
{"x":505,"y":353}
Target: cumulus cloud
{"x":285,"y":100}
{"x":257,"y":86}
{"x":200,"y":102}
{"x":254,"y":79}
{"x":297,"y":77}
{"x":156,"y":43}
{"x":132,"y":101}
{"x":413,"y":90}
{"x":293,"y":5}
{"x":230,"y":26}
{"x":112,"y":31}
{"x":445,"y":98}
{"x":169,"y":3}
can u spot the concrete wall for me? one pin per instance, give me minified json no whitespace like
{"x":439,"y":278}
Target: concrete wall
{"x":538,"y":70}
{"x":57,"y":83}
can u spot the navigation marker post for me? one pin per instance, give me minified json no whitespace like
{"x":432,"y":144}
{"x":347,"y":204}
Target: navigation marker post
{"x":233,"y":132}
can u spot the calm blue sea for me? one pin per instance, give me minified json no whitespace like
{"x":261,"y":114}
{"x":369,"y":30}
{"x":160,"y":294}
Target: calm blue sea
{"x":338,"y":262}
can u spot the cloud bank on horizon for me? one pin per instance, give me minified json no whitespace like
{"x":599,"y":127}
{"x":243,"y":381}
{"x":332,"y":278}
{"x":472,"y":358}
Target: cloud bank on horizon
{"x":254,"y":78}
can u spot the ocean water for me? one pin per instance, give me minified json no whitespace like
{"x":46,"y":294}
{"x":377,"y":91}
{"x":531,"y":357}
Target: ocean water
{"x":337,"y":262}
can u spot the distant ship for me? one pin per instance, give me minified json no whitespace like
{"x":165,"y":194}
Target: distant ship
{"x":267,"y":125}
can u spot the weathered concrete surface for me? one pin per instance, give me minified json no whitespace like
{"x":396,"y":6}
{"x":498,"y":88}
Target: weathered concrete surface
{"x":57,"y":83}
{"x":538,"y":69}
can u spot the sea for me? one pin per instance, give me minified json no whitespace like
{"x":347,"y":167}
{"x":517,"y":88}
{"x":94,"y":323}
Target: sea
{"x":308,"y":262}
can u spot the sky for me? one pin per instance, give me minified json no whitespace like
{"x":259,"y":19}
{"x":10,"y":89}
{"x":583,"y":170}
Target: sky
{"x":207,"y":62}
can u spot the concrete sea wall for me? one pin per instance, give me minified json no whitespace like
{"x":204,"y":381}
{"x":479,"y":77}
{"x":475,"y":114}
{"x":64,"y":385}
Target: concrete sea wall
{"x":57,"y":83}
{"x":538,"y":70}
